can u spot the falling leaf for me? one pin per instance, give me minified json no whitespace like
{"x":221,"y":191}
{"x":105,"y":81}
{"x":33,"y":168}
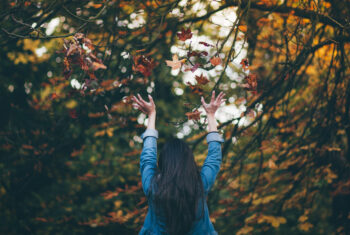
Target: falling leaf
{"x":144,"y":65}
{"x":245,"y":64}
{"x":206,"y":44}
{"x":201,"y":79}
{"x":243,"y":28}
{"x":198,"y":54}
{"x":175,"y":63}
{"x":195,"y":115}
{"x":215,"y":61}
{"x":251,"y":83}
{"x":195,"y":67}
{"x":184,"y":34}
{"x":195,"y":88}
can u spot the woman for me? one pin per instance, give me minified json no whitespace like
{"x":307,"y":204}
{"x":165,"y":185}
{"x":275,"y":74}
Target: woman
{"x":177,"y":189}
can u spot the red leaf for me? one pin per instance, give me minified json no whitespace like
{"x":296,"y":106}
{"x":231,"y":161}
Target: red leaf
{"x":215,"y":61}
{"x":251,"y":83}
{"x":195,"y":88}
{"x":143,"y":65}
{"x":53,"y":96}
{"x":195,"y":67}
{"x":195,"y":53}
{"x":193,"y":115}
{"x":201,"y":79}
{"x":184,"y":34}
{"x":245,"y":64}
{"x":206,"y":44}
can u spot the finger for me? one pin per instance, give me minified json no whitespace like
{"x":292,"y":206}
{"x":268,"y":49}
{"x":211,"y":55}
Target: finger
{"x":138,"y":102}
{"x":142,"y":101}
{"x":202,"y":100}
{"x":212,"y":97}
{"x":140,"y":108}
{"x":150,"y":99}
{"x":219,"y":96}
{"x":223,"y":101}
{"x":222,"y":96}
{"x":136,"y":99}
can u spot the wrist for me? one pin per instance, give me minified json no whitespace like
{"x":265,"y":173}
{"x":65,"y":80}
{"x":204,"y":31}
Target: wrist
{"x":152,"y":114}
{"x":211,"y":115}
{"x":151,"y":120}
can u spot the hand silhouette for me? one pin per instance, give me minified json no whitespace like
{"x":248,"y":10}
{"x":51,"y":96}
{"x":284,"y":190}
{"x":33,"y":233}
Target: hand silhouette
{"x":214,"y":103}
{"x":145,"y":107}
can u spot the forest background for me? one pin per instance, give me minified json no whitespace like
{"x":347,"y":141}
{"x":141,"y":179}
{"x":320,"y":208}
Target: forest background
{"x":70,"y":139}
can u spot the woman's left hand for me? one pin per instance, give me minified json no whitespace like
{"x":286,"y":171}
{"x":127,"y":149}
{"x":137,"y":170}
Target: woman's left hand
{"x":148,"y":108}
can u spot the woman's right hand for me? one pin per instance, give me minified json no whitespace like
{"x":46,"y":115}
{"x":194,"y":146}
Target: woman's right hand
{"x":214,"y":104}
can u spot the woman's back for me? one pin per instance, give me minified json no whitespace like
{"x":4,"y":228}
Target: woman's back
{"x":176,"y":189}
{"x":155,"y":222}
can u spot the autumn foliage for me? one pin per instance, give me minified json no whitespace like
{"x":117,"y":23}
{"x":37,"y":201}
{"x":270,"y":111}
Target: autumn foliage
{"x":70,"y":139}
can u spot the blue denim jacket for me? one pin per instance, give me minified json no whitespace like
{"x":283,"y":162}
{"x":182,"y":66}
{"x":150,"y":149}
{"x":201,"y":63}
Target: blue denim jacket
{"x":148,"y":166}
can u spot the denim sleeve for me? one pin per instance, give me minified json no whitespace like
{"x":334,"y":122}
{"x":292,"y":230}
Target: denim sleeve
{"x":212,"y":162}
{"x":148,"y":159}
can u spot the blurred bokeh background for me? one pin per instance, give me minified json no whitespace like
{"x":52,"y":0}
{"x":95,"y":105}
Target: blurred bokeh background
{"x":70,"y":139}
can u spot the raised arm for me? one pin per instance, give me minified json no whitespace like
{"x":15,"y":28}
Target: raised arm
{"x":148,"y":159}
{"x":212,"y":162}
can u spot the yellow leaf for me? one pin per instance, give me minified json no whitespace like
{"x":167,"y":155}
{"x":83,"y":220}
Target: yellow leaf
{"x":302,"y":218}
{"x":245,"y":230}
{"x":234,"y":184}
{"x":272,"y":164}
{"x":71,"y":104}
{"x":275,"y":221}
{"x":251,"y":218}
{"x":118,"y":203}
{"x":119,"y":213}
{"x":305,"y":226}
{"x":109,"y":132}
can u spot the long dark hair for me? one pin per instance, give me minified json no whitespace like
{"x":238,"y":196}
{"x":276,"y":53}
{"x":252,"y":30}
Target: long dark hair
{"x":178,"y":189}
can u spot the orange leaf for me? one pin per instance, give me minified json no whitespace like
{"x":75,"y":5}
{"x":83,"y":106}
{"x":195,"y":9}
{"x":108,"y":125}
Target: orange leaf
{"x":272,"y":164}
{"x":175,"y":63}
{"x":243,"y":28}
{"x":245,"y":64}
{"x":215,"y":61}
{"x":96,"y":66}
